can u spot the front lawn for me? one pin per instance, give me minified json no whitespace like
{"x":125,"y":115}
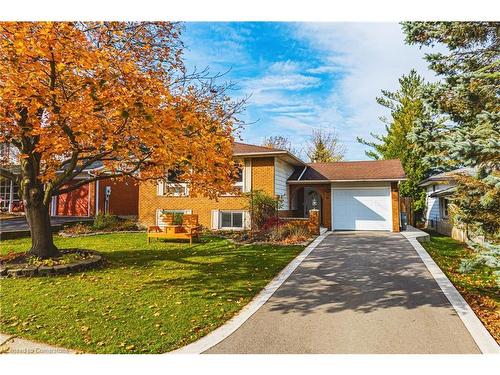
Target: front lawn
{"x":479,"y":287}
{"x":146,"y":299}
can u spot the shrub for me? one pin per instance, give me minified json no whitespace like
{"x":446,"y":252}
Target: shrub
{"x":177,"y":218}
{"x":289,"y":233}
{"x":272,"y":222}
{"x":102,"y":222}
{"x":262,"y":207}
{"x":105,"y":221}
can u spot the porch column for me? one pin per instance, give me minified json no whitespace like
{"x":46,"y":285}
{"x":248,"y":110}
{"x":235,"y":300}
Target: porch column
{"x":314,"y":222}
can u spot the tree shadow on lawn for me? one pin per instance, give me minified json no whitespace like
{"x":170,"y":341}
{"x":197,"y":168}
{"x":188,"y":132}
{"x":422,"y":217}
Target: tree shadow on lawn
{"x":206,"y":268}
{"x":360,"y":273}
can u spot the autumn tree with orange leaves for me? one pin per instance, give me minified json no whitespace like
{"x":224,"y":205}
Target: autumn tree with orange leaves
{"x":72,"y":94}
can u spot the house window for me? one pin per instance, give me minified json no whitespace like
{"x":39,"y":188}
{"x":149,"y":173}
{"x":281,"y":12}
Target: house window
{"x":238,"y":183}
{"x":174,"y":186}
{"x":444,"y":207}
{"x":231,"y":220}
{"x":177,"y":216}
{"x":239,"y":180}
{"x":9,"y":197}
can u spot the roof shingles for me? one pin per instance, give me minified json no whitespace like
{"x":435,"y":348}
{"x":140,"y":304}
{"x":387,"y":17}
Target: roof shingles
{"x":339,"y":171}
{"x":353,"y":171}
{"x":244,"y":148}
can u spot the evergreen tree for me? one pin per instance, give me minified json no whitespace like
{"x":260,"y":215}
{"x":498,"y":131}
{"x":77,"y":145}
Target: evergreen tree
{"x":468,"y":96}
{"x":407,"y":108}
{"x":325,"y":147}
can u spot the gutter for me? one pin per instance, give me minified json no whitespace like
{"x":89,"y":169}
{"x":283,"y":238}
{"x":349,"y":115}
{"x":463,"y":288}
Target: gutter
{"x":333,"y":181}
{"x":270,"y":153}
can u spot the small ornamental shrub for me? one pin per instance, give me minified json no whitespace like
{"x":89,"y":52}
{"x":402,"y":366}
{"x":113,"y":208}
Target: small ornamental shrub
{"x":272,"y":222}
{"x":102,"y":223}
{"x":289,"y":233}
{"x":105,"y":221}
{"x":262,"y":207}
{"x":178,"y":218}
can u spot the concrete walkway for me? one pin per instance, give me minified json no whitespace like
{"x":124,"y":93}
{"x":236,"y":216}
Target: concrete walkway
{"x":357,"y":292}
{"x":11,"y":344}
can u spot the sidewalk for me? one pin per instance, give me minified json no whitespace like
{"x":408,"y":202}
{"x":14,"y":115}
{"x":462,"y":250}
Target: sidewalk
{"x":10,"y":344}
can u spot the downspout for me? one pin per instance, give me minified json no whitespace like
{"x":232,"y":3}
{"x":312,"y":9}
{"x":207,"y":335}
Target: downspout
{"x":96,"y":198}
{"x":88,"y":201}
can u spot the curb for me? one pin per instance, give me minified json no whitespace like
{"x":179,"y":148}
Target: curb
{"x":479,"y":333}
{"x":224,"y":331}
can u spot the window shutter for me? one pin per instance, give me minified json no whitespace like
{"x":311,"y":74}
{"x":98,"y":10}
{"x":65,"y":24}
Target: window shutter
{"x":159,"y":221}
{"x":247,"y":220}
{"x":160,"y":188}
{"x":215,"y":219}
{"x":247,"y":175}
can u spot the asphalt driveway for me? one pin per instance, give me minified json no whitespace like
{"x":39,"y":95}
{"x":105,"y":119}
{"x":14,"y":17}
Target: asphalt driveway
{"x":357,"y":292}
{"x":20,"y":223}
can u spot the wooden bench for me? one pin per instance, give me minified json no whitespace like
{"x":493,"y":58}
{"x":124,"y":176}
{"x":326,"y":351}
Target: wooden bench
{"x":188,"y":229}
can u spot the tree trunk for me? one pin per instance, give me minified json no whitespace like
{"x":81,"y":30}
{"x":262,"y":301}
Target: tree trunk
{"x":37,"y":214}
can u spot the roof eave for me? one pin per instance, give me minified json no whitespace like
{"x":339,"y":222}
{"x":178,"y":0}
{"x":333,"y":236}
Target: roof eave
{"x":271,"y":153}
{"x":352,"y":180}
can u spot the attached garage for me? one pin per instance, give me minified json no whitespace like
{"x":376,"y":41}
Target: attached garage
{"x":368,"y":208}
{"x":360,"y":195}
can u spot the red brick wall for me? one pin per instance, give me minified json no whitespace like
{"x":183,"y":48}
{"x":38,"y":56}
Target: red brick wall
{"x":74,"y":203}
{"x":124,"y":198}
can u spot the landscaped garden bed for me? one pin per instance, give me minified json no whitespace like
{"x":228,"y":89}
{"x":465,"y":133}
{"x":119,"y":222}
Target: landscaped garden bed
{"x":285,"y":234}
{"x":102,"y":223}
{"x":23,"y":264}
{"x":479,"y":287}
{"x":148,"y":299}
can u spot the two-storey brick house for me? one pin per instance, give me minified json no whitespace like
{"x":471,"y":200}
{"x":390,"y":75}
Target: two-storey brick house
{"x":360,"y":195}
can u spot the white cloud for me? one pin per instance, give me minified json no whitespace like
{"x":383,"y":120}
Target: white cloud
{"x":371,"y":56}
{"x":282,"y":81}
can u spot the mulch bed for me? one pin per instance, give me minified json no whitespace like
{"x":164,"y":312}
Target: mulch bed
{"x":70,"y":260}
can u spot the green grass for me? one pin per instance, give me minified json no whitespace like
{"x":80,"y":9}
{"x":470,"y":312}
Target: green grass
{"x":478,"y":287}
{"x":146,"y":299}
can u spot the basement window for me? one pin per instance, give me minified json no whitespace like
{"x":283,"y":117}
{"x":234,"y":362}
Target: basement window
{"x":231,"y":220}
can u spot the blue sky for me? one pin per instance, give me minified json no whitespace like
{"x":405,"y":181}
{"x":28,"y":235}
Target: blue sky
{"x":302,"y":76}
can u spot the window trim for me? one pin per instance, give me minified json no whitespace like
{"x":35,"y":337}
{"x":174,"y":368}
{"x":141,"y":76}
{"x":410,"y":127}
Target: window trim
{"x":444,"y":207}
{"x":240,"y":184}
{"x":183,"y":185}
{"x":232,"y":212}
{"x":160,"y":211}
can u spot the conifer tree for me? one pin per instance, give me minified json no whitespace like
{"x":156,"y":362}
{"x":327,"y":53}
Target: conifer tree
{"x":407,"y":108}
{"x":468,"y":97}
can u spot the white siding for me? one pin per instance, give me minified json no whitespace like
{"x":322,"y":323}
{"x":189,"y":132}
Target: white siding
{"x":247,"y":175}
{"x":282,"y":170}
{"x":433,"y":211}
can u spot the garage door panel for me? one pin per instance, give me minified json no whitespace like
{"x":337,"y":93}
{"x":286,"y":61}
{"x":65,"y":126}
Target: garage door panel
{"x":361,"y":209}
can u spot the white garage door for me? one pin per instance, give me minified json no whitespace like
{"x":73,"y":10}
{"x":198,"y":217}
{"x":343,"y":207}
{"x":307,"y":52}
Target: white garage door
{"x":362,"y":209}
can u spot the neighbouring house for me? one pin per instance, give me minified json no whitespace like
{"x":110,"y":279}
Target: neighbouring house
{"x":9,"y":197}
{"x":357,"y":195}
{"x":439,"y":189}
{"x":116,"y":197}
{"x":106,"y":196}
